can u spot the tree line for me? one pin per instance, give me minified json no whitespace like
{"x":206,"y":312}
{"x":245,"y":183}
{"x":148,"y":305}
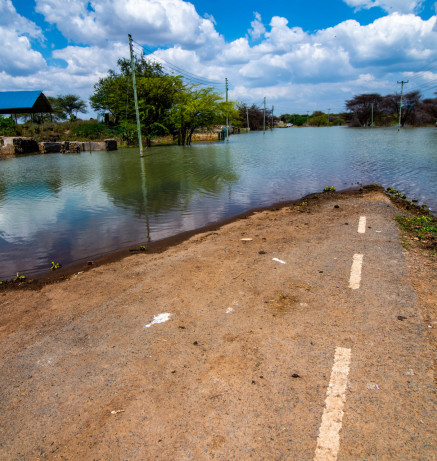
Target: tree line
{"x":384,"y":110}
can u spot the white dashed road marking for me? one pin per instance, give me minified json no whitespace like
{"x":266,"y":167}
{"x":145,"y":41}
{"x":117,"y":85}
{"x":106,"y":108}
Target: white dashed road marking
{"x":355,"y":278}
{"x":328,"y":441}
{"x":362,"y":225}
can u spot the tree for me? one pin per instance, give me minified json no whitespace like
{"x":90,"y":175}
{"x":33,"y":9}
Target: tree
{"x":361,"y":108}
{"x":7,"y":126}
{"x":427,"y":111}
{"x":67,"y":106}
{"x":166,"y":105}
{"x":410,"y":102}
{"x":198,"y":107}
{"x":114,"y":93}
{"x":256,"y":116}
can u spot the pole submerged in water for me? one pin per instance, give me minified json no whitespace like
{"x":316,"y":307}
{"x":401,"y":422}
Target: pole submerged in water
{"x":227,"y":115}
{"x":137,"y":113}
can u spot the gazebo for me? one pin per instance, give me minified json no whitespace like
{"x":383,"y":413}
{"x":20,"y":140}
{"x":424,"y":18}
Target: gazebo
{"x":24,"y":102}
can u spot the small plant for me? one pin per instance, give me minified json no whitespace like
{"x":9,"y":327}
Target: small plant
{"x":143,"y":248}
{"x":19,"y":278}
{"x":422,"y":228}
{"x":55,"y":266}
{"x":329,"y":189}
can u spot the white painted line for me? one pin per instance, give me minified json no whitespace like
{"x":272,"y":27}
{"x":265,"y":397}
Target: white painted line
{"x":161,"y":318}
{"x":328,"y":441}
{"x":279,"y":260}
{"x":362,"y":225}
{"x":355,"y":278}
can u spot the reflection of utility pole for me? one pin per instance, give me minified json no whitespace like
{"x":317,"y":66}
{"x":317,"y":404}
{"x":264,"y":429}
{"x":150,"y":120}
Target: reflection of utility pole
{"x":264,"y":118}
{"x":247,"y":118}
{"x":145,"y":201}
{"x":400,"y":105}
{"x":227,"y":115}
{"x":132,"y":65}
{"x":273,"y":108}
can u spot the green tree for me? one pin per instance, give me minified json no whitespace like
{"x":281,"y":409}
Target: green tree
{"x":197,"y":108}
{"x":166,"y":105}
{"x":7,"y":126}
{"x":67,"y":106}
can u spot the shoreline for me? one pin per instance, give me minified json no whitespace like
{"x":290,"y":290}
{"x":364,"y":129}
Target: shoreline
{"x":39,"y":279}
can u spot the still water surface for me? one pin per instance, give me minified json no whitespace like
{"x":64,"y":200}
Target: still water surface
{"x":67,"y":207}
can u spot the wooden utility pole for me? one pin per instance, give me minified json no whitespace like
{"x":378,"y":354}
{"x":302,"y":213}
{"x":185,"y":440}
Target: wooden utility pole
{"x":371,"y":123}
{"x":400,"y":104}
{"x":273,"y":108}
{"x":247,"y":118}
{"x":132,"y":65}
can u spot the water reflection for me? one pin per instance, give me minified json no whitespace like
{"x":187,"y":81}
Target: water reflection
{"x":171,"y":178}
{"x":72,"y":207}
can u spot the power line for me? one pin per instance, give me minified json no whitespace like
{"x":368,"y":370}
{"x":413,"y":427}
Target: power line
{"x":197,"y":79}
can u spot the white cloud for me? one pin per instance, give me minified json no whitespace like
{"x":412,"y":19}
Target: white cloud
{"x":391,"y":6}
{"x":91,"y":59}
{"x":394,"y":41}
{"x":258,"y":28}
{"x":12,"y":20}
{"x":16,"y":53}
{"x":152,"y":22}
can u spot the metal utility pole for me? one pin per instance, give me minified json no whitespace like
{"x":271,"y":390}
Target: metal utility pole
{"x":308,"y":114}
{"x":247,"y":118}
{"x":227,"y":115}
{"x":328,"y":115}
{"x":132,"y":65}
{"x":264,"y":119}
{"x":273,"y":108}
{"x":400,"y":104}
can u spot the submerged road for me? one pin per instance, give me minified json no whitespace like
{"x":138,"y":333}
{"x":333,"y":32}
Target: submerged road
{"x":293,"y":334}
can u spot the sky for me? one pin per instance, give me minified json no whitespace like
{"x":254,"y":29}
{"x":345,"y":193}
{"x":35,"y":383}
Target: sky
{"x":300,"y":55}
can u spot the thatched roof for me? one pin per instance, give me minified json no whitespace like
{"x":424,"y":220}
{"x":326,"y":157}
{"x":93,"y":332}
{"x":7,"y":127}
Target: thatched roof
{"x":24,"y":102}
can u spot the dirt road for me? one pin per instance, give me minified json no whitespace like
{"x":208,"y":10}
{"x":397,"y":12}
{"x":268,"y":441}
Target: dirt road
{"x":293,"y":334}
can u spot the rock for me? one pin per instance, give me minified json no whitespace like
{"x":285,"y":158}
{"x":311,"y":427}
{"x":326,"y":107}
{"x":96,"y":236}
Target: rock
{"x":110,"y":144}
{"x":25,"y":145}
{"x":49,"y":147}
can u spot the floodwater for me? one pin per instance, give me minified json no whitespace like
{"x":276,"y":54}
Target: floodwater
{"x":73,"y":207}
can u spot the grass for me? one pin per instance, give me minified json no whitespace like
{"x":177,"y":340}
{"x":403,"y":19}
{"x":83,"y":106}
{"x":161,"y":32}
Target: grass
{"x":422,"y":229}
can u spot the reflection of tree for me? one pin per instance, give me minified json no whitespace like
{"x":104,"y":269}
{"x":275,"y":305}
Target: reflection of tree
{"x":172,"y":177}
{"x":2,"y":190}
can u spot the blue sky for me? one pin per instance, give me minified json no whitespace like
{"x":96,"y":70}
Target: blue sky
{"x":300,"y":55}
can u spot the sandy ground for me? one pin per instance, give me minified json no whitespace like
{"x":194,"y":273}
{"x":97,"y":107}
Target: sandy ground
{"x":241,"y":368}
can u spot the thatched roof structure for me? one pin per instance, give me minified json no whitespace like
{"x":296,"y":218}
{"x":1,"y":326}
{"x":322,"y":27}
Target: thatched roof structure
{"x":24,"y":102}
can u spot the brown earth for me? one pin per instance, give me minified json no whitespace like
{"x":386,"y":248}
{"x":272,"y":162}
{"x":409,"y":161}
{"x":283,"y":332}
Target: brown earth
{"x":241,"y":368}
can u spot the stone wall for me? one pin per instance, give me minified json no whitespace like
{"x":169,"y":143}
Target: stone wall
{"x":17,"y":146}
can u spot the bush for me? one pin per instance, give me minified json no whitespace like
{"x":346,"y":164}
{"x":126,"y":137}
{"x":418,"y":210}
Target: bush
{"x":7,"y":126}
{"x":90,"y":130}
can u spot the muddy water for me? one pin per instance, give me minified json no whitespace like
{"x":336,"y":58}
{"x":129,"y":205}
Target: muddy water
{"x":67,"y":208}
